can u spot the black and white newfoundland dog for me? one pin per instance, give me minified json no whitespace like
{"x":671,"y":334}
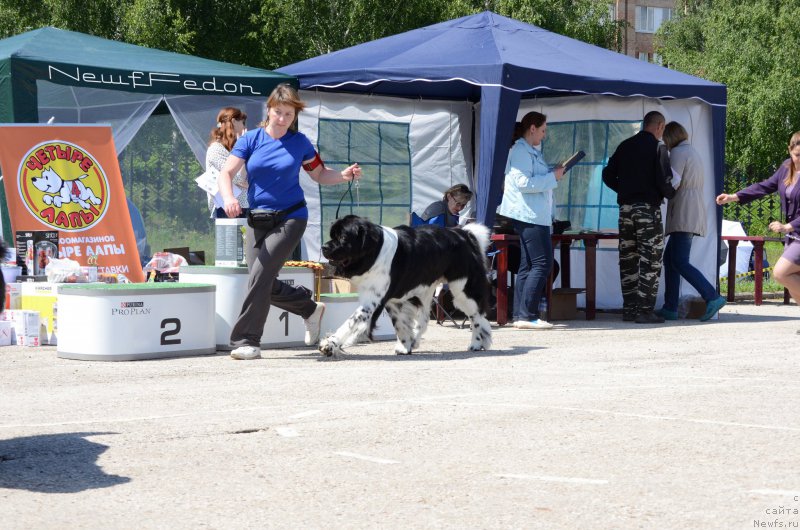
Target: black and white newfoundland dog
{"x":399,"y":269}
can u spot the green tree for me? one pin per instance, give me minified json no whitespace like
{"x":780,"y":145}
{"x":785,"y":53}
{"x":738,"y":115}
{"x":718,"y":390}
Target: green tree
{"x":750,"y":46}
{"x":274,"y":33}
{"x":586,"y":20}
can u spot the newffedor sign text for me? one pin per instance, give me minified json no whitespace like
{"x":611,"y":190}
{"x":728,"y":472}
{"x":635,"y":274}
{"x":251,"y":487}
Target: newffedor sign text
{"x":147,"y":81}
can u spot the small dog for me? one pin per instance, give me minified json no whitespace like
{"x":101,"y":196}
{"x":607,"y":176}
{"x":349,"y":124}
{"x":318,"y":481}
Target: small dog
{"x":399,"y":269}
{"x":60,"y":191}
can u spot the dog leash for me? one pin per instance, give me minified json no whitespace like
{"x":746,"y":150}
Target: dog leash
{"x":349,"y":186}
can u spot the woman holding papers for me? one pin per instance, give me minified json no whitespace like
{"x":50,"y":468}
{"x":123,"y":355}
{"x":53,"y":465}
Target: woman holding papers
{"x":785,"y":182}
{"x":230,"y":126}
{"x":528,"y":202}
{"x":686,"y":218}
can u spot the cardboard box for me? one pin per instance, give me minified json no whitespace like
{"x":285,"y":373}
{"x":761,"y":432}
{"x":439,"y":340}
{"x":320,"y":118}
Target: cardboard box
{"x":26,"y":327}
{"x":5,"y":332}
{"x":564,"y":304}
{"x":34,"y":250}
{"x":230,"y":243}
{"x":695,"y":308}
{"x":335,"y":286}
{"x":13,"y":296}
{"x":42,"y":297}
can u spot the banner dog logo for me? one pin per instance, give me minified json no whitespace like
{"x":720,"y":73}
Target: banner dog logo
{"x":63,"y":186}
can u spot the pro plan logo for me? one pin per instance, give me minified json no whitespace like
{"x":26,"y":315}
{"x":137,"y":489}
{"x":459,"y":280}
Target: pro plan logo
{"x":63,"y":186}
{"x":130,"y":309}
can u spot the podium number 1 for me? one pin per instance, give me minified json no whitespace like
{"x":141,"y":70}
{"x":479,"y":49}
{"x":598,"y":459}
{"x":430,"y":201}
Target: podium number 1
{"x":170,"y":332}
{"x":285,"y":316}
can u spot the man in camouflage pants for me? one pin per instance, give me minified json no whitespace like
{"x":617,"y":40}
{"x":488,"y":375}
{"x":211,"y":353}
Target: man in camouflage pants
{"x":640,"y":174}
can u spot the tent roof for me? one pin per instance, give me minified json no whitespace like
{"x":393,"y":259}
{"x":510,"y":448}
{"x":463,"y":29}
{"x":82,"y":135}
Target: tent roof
{"x":454,"y":59}
{"x":61,"y":48}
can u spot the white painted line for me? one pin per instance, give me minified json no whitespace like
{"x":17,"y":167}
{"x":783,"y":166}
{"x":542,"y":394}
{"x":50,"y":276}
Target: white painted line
{"x":287,"y":432}
{"x":614,"y":413}
{"x":367,"y":458}
{"x":782,"y":493}
{"x":304,"y":414}
{"x":546,"y":478}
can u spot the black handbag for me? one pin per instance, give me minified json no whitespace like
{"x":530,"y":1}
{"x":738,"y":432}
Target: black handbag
{"x":266,"y":220}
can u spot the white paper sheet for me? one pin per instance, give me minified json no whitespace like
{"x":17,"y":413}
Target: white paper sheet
{"x":208,"y":183}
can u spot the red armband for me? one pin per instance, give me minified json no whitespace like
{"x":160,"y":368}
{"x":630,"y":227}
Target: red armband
{"x":316,"y":161}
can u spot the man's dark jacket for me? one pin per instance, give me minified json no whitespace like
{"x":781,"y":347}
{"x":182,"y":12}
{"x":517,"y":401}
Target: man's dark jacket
{"x":639,"y":171}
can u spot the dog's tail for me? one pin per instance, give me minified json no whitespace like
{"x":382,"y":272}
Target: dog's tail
{"x":481,"y":233}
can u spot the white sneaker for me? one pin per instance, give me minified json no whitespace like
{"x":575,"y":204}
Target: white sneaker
{"x":533,"y":324}
{"x":246,"y":353}
{"x":314,"y":325}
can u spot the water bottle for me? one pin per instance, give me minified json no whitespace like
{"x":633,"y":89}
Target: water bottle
{"x":543,"y":308}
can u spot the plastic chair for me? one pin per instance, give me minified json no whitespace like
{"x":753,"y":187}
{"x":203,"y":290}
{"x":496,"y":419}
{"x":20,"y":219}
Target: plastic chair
{"x":416,"y":220}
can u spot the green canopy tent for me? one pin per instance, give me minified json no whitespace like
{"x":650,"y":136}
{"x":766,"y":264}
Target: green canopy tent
{"x":51,"y":74}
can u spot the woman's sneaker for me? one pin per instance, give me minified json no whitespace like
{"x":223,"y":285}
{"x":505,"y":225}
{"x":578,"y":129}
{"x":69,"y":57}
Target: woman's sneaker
{"x":533,"y":324}
{"x":314,"y":325}
{"x":667,"y":314}
{"x":713,"y":307}
{"x":246,"y":353}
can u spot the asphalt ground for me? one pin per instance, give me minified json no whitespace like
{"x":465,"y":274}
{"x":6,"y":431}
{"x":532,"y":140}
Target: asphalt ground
{"x":596,"y":424}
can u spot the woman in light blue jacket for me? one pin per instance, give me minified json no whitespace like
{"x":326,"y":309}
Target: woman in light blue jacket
{"x":528,"y":202}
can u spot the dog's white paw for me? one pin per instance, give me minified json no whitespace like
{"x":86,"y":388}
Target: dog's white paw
{"x":330,"y":348}
{"x":48,"y":200}
{"x":401,"y":349}
{"x":95,"y":200}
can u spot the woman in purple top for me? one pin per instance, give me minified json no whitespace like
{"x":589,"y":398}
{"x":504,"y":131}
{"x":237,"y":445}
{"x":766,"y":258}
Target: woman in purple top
{"x":273,"y":154}
{"x":784,"y":181}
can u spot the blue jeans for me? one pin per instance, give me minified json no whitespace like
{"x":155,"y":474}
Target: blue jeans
{"x":536,"y":260}
{"x":676,"y":264}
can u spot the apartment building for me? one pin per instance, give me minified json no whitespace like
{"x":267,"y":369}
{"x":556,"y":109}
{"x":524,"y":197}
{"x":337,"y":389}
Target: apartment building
{"x":644,"y":18}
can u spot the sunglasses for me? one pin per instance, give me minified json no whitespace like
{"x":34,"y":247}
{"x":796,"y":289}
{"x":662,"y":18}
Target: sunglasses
{"x":457,"y":203}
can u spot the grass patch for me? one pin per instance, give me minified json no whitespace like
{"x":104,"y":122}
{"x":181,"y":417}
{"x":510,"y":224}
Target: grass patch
{"x":170,"y":235}
{"x":774,"y":249}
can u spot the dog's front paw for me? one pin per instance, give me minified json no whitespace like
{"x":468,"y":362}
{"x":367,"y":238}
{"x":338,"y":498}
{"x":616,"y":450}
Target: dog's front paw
{"x":401,"y":349}
{"x":48,"y":200}
{"x":330,"y":348}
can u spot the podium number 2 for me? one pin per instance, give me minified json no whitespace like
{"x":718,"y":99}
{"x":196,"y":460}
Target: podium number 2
{"x":170,"y":332}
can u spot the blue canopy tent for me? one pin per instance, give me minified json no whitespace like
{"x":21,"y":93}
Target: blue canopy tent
{"x":498,"y":62}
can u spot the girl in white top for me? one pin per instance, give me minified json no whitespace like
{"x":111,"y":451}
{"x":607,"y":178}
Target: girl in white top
{"x":230,"y":126}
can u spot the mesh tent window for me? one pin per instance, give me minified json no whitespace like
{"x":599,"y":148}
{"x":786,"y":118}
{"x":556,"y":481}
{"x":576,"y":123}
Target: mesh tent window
{"x":382,"y":151}
{"x":581,"y":196}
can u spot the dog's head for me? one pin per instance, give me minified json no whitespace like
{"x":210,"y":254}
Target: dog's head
{"x":49,"y":182}
{"x":354,"y":246}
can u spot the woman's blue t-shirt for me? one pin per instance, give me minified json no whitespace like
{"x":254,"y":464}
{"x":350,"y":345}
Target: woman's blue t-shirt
{"x":273,"y":169}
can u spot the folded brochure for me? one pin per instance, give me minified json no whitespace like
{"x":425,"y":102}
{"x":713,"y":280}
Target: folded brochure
{"x":208,"y":183}
{"x":571,"y":161}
